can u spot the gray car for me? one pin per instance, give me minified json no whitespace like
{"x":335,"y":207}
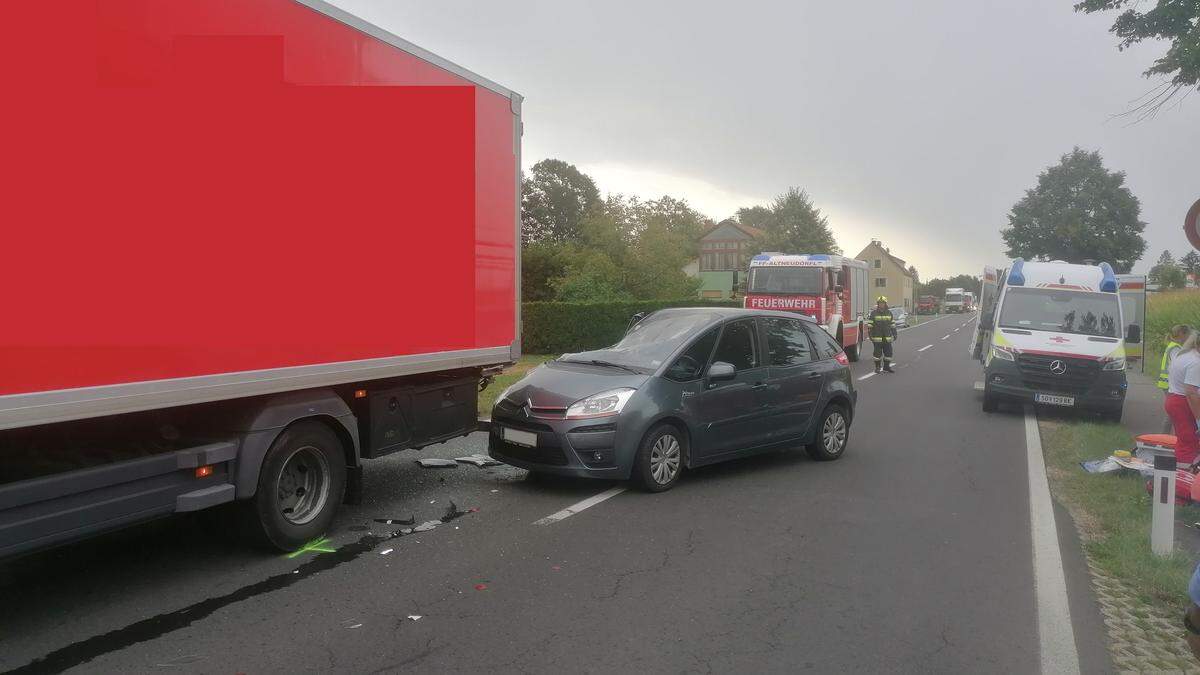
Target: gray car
{"x":684,"y":388}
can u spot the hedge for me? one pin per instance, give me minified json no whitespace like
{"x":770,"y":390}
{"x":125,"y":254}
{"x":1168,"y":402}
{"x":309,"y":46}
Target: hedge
{"x":559,"y":327}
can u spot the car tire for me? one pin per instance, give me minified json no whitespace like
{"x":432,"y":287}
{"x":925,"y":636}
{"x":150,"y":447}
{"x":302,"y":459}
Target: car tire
{"x":300,"y":485}
{"x":660,"y":458}
{"x":831,"y":436}
{"x":990,"y":403}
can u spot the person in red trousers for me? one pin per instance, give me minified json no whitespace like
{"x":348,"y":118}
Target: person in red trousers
{"x":1183,"y":400}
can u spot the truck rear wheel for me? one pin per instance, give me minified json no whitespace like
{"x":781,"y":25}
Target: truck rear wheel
{"x":302,"y":481}
{"x":853,"y":350}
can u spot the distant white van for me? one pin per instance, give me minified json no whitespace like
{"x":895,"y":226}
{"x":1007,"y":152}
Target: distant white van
{"x":1055,"y":336}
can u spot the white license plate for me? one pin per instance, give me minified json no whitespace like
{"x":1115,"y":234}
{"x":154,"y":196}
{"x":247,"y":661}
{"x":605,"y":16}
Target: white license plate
{"x":519,"y":437}
{"x":1055,"y":400}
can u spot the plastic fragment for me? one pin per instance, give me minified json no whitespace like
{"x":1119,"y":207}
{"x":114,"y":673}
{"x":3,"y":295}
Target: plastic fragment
{"x":397,"y":521}
{"x":415,"y":617}
{"x":481,"y":587}
{"x":386,"y":551}
{"x":437,"y":463}
{"x":478,"y":460}
{"x":427,"y":526}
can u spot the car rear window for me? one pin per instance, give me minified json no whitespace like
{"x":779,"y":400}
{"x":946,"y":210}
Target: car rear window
{"x":786,"y":343}
{"x":827,"y":347}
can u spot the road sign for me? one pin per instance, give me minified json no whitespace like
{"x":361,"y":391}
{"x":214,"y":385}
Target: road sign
{"x":1191,"y":225}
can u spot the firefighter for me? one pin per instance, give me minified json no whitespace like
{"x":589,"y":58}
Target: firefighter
{"x":883,"y":334}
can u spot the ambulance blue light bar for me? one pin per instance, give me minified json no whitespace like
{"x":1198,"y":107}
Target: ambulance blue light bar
{"x":1109,"y":283}
{"x":1016,"y":276}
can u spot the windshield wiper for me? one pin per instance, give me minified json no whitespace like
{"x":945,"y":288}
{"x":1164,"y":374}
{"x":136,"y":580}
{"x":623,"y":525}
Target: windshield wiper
{"x":606,"y":364}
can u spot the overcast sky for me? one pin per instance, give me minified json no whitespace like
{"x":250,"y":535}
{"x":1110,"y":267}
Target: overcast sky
{"x":919,"y":124}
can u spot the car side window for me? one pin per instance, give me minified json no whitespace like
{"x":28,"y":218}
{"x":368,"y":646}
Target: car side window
{"x":827,"y":347}
{"x":786,"y":343}
{"x":690,"y":364}
{"x":739,"y":345}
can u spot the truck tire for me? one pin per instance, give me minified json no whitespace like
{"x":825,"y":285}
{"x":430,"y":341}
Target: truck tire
{"x":855,"y":349}
{"x":302,"y":481}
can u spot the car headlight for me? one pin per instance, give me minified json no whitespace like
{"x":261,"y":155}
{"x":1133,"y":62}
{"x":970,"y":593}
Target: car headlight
{"x":1115,"y":364}
{"x":604,"y":404}
{"x":1003,"y":353}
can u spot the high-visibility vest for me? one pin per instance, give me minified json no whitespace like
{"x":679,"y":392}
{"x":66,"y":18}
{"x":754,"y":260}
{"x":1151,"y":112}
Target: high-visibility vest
{"x":1166,"y":365}
{"x":881,"y":326}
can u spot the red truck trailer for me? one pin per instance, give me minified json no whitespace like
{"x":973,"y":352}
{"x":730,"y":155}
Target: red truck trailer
{"x":247,"y":246}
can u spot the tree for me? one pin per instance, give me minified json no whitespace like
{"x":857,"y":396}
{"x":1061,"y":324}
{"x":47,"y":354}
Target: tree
{"x":1173,"y":20}
{"x":541,"y":263}
{"x":754,"y":216}
{"x":1078,"y":211}
{"x":554,"y":200}
{"x":590,"y":276}
{"x":1166,"y":273}
{"x":1190,"y":262}
{"x":795,"y":225}
{"x":937,"y":287}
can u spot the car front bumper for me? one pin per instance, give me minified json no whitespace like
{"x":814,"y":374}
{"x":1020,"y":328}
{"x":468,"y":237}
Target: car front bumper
{"x":1106,"y":392}
{"x":595,"y":448}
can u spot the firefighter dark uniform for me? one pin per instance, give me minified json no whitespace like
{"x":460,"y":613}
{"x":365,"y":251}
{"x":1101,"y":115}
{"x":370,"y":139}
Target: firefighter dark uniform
{"x":883,"y":334}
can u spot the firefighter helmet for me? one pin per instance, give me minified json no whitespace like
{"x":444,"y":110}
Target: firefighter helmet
{"x":882,"y":298}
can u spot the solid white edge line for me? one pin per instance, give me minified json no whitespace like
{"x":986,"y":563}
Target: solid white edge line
{"x":1056,"y":633}
{"x":864,"y":377}
{"x":925,"y":347}
{"x":580,"y":506}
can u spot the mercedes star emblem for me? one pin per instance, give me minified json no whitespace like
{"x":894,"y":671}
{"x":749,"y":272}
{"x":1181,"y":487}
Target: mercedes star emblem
{"x":1058,"y":367}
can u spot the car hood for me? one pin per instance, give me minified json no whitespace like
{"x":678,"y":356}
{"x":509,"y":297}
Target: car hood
{"x":1059,"y":344}
{"x":556,"y":384}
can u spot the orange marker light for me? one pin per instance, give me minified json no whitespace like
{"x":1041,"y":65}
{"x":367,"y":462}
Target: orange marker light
{"x":360,"y":393}
{"x":203,"y":471}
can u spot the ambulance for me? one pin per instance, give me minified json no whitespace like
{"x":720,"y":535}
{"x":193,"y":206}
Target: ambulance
{"x":1054,"y":336}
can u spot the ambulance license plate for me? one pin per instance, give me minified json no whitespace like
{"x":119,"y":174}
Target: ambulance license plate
{"x":1051,"y":399}
{"x":526,"y":438}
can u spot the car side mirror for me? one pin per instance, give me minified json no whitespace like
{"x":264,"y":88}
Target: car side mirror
{"x":1133,"y":334}
{"x":721,"y":372}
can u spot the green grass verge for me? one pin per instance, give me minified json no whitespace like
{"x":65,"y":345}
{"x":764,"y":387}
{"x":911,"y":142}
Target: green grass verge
{"x":1112,"y":511}
{"x":487,"y":397}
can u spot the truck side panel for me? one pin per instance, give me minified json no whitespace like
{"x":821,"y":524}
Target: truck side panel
{"x":225,"y":199}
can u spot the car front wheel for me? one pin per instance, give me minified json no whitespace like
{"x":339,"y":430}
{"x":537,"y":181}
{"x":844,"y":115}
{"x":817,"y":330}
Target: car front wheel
{"x":659,"y":460}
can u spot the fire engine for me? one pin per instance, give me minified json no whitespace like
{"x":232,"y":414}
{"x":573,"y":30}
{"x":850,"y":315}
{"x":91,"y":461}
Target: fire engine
{"x":830,"y":288}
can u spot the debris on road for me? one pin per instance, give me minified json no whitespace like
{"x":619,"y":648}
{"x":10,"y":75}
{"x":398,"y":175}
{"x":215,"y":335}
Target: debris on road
{"x":481,"y":587}
{"x":386,"y":551}
{"x":351,"y":623}
{"x":437,"y":463}
{"x":427,"y":526}
{"x":478,"y":460}
{"x":314,"y":546}
{"x":415,"y":617}
{"x":397,"y":521}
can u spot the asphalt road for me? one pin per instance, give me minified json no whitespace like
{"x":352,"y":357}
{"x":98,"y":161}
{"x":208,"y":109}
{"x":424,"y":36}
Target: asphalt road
{"x":911,"y":553}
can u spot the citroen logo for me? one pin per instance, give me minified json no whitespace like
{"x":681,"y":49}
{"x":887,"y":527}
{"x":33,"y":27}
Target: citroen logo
{"x":1058,"y":367}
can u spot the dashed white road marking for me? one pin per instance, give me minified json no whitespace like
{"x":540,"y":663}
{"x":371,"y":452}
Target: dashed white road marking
{"x":1056,"y":633}
{"x":925,"y":347}
{"x":867,"y":376}
{"x":579,"y":506}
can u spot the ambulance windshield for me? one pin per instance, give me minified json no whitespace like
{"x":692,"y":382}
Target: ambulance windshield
{"x":786,"y":280}
{"x":1078,"y":312}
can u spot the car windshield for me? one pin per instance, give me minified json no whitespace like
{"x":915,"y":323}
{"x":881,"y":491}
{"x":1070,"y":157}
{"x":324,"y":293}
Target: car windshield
{"x":650,"y":342}
{"x":1076,"y":312}
{"x":896,"y":311}
{"x":954,"y":297}
{"x":782,"y":280}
